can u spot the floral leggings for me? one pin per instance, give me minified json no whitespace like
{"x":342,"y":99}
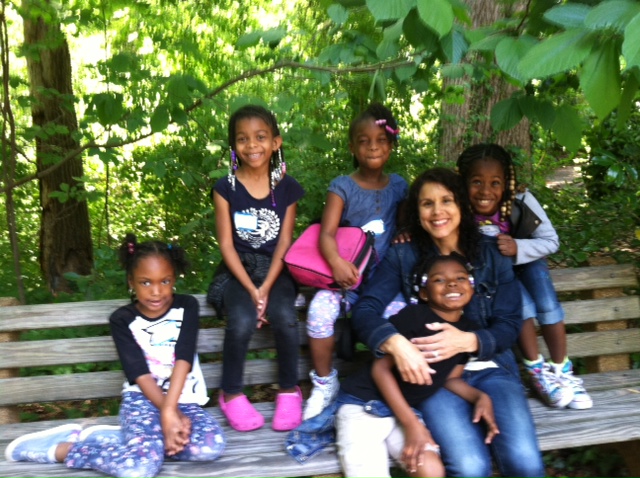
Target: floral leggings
{"x":141,"y":451}
{"x":324,"y":310}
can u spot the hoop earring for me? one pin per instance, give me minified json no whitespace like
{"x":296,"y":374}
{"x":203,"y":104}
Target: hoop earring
{"x":233,"y":166}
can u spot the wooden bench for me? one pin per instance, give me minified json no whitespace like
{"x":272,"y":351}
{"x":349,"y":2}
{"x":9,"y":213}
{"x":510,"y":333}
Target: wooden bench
{"x":609,"y":330}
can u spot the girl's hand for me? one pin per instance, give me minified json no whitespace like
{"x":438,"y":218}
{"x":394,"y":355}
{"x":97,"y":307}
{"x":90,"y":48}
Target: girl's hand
{"x":445,"y":344}
{"x":507,"y":245}
{"x":345,"y":273}
{"x":176,"y":429}
{"x":484,"y":410}
{"x":261,"y":300}
{"x":417,"y":441}
{"x":401,"y":237}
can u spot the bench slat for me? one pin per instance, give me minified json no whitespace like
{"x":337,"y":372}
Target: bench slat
{"x":601,"y":310}
{"x":590,"y":344}
{"x":595,"y":277}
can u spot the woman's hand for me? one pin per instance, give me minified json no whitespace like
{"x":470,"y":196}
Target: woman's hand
{"x":448,"y":342}
{"x":507,"y":245}
{"x":410,"y":362}
{"x":484,"y":410}
{"x":176,"y":429}
{"x":417,"y":441}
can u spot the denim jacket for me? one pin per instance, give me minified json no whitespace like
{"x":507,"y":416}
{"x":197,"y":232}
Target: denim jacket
{"x":496,"y":305}
{"x":314,"y":434}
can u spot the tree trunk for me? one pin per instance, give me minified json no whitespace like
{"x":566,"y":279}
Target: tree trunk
{"x":468,"y":123}
{"x":65,"y":233}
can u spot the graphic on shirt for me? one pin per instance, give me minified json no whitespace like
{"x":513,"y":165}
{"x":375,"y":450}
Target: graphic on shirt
{"x":267,"y":227}
{"x":376,"y":226}
{"x":164,"y":333}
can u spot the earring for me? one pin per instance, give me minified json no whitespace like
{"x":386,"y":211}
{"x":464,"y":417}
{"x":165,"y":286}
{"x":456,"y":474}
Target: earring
{"x":174,"y":288}
{"x":278,"y":170}
{"x":233,"y":165}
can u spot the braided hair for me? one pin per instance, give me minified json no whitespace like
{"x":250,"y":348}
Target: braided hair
{"x":277,"y":164}
{"x":383,"y":117}
{"x":469,"y":237}
{"x":131,"y":252}
{"x":482,"y":151}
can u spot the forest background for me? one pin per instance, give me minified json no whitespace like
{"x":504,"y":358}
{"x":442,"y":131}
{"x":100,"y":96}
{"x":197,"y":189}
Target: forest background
{"x":114,"y":118}
{"x":115,"y":115}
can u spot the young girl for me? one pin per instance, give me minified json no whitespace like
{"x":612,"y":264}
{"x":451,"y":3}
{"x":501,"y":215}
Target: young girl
{"x":161,"y":412}
{"x":525,"y":234}
{"x":255,"y":214}
{"x":443,"y":287}
{"x":367,"y":198}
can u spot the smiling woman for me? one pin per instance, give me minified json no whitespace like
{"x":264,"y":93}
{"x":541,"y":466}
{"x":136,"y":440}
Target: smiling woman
{"x":440,"y":221}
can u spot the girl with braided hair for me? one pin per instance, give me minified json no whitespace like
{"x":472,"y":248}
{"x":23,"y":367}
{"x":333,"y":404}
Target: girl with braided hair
{"x":161,"y":413}
{"x":366,"y":198}
{"x":526,"y":235}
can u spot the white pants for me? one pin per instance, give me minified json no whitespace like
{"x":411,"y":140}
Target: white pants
{"x":365,"y":442}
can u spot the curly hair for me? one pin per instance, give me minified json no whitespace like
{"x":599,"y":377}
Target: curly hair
{"x":375,"y":112}
{"x":482,"y":151}
{"x":449,"y":179}
{"x":131,"y":252}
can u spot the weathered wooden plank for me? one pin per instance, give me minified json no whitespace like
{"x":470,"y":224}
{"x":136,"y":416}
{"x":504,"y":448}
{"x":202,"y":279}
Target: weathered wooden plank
{"x":601,"y":310}
{"x":595,"y":277}
{"x":591,"y":344}
{"x":107,"y":384}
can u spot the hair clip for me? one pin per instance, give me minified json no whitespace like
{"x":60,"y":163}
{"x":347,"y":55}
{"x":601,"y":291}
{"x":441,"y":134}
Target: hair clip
{"x":131,"y":247}
{"x":381,"y":122}
{"x":169,"y":246}
{"x":389,"y":129}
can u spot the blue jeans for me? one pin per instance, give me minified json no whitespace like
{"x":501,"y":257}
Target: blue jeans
{"x":241,"y":325}
{"x":539,"y":297}
{"x":515,"y":449}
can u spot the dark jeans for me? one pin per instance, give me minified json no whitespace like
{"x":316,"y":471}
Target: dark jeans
{"x":241,"y":325}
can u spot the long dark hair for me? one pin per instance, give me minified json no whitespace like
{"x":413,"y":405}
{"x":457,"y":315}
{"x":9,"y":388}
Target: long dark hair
{"x":449,"y":179}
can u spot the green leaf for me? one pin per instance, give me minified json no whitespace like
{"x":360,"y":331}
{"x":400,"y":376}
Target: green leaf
{"x":389,"y":10}
{"x":568,"y":128}
{"x":488,"y":42}
{"x":179,"y":116}
{"x":505,"y":114}
{"x":631,"y":43}
{"x":629,"y":91}
{"x":108,"y":108}
{"x":248,"y":40}
{"x":394,"y":31}
{"x":567,"y":16}
{"x":600,"y":79}
{"x":559,"y":53}
{"x":338,"y":14}
{"x":436,"y":14}
{"x":405,"y":72}
{"x":418,"y":35}
{"x":178,"y":90}
{"x":159,"y":119}
{"x":452,"y":71}
{"x":509,"y":53}
{"x":538,"y":110}
{"x":614,"y":14}
{"x":387,"y":49}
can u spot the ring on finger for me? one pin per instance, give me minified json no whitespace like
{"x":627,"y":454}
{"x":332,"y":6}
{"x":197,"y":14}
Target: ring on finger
{"x":436,"y":353}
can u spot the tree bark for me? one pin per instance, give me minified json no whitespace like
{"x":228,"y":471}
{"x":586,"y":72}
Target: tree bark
{"x":65,"y":232}
{"x":468,"y":122}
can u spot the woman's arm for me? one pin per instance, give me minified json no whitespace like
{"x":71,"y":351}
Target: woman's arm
{"x":377,"y":332}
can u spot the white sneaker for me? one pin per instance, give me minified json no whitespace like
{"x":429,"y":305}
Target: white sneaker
{"x":325,"y":390}
{"x":548,"y":385}
{"x":581,"y":399}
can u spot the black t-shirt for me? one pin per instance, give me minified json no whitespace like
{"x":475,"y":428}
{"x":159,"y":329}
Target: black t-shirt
{"x":410,"y":322}
{"x":256,"y":222}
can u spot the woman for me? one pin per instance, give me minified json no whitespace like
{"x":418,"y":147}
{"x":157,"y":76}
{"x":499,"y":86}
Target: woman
{"x":441,"y":222}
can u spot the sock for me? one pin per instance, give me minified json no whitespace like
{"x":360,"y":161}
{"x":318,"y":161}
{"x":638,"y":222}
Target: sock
{"x":532,"y":363}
